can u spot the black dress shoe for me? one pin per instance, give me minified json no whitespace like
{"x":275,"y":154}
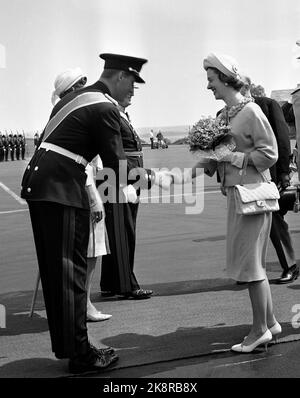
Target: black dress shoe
{"x":107,"y":293}
{"x":139,"y":294}
{"x":92,"y":363}
{"x":106,"y":350}
{"x":290,"y":275}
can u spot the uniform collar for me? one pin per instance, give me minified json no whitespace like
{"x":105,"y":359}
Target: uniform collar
{"x":102,"y":87}
{"x":105,"y":90}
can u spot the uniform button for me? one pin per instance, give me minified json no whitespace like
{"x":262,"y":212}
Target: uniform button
{"x":28,"y":167}
{"x":36,"y":168}
{"x":28,"y":189}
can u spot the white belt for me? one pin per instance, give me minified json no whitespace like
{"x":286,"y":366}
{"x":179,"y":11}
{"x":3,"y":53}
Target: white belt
{"x":58,"y":149}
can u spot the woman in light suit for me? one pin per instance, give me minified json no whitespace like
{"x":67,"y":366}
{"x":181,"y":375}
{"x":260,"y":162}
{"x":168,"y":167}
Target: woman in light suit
{"x":247,"y":236}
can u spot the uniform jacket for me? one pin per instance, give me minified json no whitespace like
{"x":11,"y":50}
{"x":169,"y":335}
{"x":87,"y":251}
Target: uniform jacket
{"x":277,"y":121}
{"x":132,"y":143}
{"x":288,"y":112}
{"x":253,"y":134}
{"x":88,"y":131}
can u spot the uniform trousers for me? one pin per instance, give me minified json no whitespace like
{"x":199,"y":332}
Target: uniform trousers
{"x":117,"y":268}
{"x":61,"y":238}
{"x":18,"y":152}
{"x":281,"y":240}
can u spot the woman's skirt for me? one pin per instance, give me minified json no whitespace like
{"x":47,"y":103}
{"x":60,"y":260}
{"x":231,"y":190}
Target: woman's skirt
{"x":247,"y":243}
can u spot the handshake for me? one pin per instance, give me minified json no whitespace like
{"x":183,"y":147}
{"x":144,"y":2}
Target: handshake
{"x":163,"y":178}
{"x":166,"y":178}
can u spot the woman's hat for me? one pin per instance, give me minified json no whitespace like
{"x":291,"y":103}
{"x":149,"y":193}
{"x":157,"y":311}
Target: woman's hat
{"x":66,"y":80}
{"x":224,"y":63}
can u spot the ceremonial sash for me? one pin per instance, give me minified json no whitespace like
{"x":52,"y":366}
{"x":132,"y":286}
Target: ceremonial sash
{"x":85,"y":99}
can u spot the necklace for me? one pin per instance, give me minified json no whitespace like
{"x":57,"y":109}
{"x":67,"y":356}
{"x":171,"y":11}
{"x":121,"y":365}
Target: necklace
{"x":232,"y":111}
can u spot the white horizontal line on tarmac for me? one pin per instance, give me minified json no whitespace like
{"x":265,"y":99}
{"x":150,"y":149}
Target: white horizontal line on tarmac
{"x":141,"y":198}
{"x":180,"y":194}
{"x":251,"y":360}
{"x":11,"y":193}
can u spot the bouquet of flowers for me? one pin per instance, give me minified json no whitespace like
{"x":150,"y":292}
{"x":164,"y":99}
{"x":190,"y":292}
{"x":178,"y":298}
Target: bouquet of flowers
{"x":210,"y":138}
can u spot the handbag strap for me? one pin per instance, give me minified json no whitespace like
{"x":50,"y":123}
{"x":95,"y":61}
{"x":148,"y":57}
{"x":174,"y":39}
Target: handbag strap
{"x":243,"y":171}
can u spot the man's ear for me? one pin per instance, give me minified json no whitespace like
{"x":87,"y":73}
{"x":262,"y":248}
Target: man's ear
{"x":121,"y":75}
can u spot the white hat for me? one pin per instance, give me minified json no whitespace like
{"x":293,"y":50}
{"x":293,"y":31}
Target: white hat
{"x":223,"y":63}
{"x":64,"y":81}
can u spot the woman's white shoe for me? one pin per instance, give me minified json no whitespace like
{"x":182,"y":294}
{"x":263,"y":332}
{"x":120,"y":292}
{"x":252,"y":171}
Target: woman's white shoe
{"x":97,"y":316}
{"x":276,"y":330}
{"x":264,"y":339}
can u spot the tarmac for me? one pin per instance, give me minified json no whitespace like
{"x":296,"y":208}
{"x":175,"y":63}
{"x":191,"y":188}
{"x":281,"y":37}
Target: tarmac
{"x":195,"y":315}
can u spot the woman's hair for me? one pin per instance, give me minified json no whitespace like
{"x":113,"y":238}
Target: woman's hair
{"x":231,"y":81}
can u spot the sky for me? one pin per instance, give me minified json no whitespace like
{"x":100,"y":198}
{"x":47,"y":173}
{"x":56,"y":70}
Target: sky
{"x":41,"y":38}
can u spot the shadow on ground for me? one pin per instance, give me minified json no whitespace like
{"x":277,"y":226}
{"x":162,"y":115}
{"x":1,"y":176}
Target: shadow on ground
{"x":135,"y":350}
{"x":185,"y":343}
{"x":17,"y":307}
{"x":17,"y":304}
{"x":34,"y":368}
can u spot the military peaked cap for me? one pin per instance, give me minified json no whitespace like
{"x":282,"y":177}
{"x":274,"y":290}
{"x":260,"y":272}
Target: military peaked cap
{"x":123,"y":62}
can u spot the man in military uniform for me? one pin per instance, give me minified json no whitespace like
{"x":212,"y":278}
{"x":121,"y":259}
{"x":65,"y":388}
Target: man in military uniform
{"x":117,"y":276}
{"x":5,"y":147}
{"x":12,"y":147}
{"x":36,"y":140}
{"x":22,"y":143}
{"x":17,"y":146}
{"x":83,"y":124}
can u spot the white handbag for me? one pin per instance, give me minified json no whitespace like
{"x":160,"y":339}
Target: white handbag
{"x":261,"y":197}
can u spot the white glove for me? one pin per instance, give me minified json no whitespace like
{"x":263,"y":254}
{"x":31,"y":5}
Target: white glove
{"x":182,"y":178}
{"x":235,"y":158}
{"x":130,"y":194}
{"x":163,"y":179}
{"x":185,"y":177}
{"x":95,"y":200}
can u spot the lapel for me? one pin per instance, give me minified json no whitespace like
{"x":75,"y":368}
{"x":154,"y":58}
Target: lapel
{"x":125,"y":117}
{"x":134,"y":133}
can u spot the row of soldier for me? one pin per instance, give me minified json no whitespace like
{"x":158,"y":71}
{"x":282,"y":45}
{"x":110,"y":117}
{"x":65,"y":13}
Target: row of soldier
{"x":12,"y":146}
